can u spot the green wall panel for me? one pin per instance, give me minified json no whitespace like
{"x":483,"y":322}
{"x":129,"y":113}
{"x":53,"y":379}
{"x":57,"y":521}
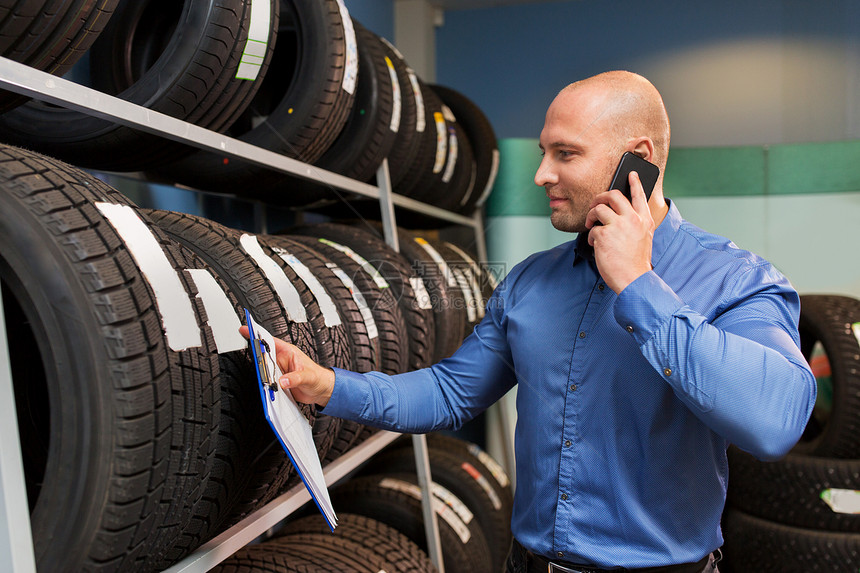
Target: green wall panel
{"x":787,"y":169}
{"x":717,"y":171}
{"x":515,"y":192}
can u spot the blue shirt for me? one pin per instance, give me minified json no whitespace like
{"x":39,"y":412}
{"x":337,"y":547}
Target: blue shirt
{"x":625,"y":404}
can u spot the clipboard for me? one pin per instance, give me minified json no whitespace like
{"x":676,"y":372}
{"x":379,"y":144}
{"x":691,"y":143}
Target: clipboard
{"x":286,"y":419}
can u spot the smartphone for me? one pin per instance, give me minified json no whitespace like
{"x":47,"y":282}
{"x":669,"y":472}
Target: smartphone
{"x":648,"y":174}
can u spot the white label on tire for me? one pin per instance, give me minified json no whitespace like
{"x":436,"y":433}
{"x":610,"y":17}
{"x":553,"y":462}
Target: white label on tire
{"x":441,"y":141}
{"x":350,"y":71}
{"x":174,"y":305}
{"x":368,"y":268}
{"x":421,"y":118}
{"x":463,"y":283}
{"x":448,"y":114}
{"x":491,"y":464}
{"x":856,"y":328}
{"x":327,"y":306}
{"x":360,"y":301}
{"x":494,"y":170}
{"x":395,"y":87}
{"x":258,"y":40}
{"x":287,"y":293}
{"x":221,"y":316}
{"x":442,"y":509}
{"x":475,"y":272}
{"x":422,"y":297}
{"x":440,"y":262}
{"x":452,"y":155}
{"x":842,"y":500}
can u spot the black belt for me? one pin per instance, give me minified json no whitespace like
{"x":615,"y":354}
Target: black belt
{"x":539,"y":564}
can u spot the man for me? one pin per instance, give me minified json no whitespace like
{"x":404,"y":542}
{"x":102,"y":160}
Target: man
{"x":641,"y":350}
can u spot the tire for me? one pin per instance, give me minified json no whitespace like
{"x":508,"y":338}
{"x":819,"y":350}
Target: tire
{"x":455,"y":472}
{"x":300,"y":109}
{"x":49,"y":35}
{"x":789,"y":491}
{"x":126,"y":449}
{"x":259,"y":559}
{"x":193,"y":78}
{"x":480,"y":134}
{"x":408,"y":138}
{"x":446,"y":297}
{"x":754,"y":545}
{"x":386,"y":318}
{"x":826,"y":323}
{"x":479,"y":459}
{"x":400,"y":554}
{"x":394,"y":269}
{"x":458,"y":173}
{"x":427,"y":169}
{"x":396,"y":501}
{"x":226,"y":251}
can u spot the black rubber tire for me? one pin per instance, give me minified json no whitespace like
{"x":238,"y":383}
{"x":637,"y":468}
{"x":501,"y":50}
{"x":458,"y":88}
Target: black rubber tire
{"x":324,"y":550}
{"x":458,"y":173}
{"x":186,"y":71}
{"x":395,"y":270}
{"x":789,"y":490}
{"x":392,"y":500}
{"x":299,"y":110}
{"x":386,"y":314}
{"x":221,"y":248}
{"x":753,"y":545}
{"x":479,"y":459}
{"x":445,"y":295}
{"x":833,"y":431}
{"x":465,"y":274}
{"x":408,"y":138}
{"x":480,"y":133}
{"x":49,"y":35}
{"x":118,"y":434}
{"x":428,"y":167}
{"x":369,"y":133}
{"x":401,"y":555}
{"x":458,"y":475}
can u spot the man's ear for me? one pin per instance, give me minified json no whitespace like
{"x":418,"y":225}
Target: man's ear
{"x":643,"y":147}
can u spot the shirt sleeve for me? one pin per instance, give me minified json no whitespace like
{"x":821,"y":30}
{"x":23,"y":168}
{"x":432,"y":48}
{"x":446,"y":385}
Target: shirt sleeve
{"x":444,"y":396}
{"x":742,"y":372}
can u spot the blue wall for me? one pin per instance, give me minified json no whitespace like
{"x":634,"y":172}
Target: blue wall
{"x":512,"y":60}
{"x":375,"y":15}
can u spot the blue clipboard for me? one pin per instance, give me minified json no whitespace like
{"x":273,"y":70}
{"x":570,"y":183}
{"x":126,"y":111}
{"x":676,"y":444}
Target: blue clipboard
{"x":286,"y":419}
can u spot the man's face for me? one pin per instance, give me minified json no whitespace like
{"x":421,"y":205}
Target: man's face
{"x":579,"y":156}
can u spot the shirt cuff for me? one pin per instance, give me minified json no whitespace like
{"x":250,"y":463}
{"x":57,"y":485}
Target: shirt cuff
{"x":645,"y":305}
{"x":349,"y":395}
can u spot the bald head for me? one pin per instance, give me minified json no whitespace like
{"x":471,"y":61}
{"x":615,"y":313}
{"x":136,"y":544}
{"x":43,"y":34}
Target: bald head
{"x":629,"y":105}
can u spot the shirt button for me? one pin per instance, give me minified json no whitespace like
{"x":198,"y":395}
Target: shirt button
{"x":572,"y":387}
{"x":582,"y":334}
{"x":564,"y":496}
{"x":601,"y":286}
{"x":629,"y":328}
{"x":667,"y":371}
{"x":567,"y":443}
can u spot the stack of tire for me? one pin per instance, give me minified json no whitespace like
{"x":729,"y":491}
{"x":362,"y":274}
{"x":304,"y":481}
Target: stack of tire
{"x":297,"y":77}
{"x":471,"y":497}
{"x":802,"y":513}
{"x":138,"y":409}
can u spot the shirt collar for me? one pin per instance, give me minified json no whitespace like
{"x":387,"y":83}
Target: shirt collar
{"x":663,"y":235}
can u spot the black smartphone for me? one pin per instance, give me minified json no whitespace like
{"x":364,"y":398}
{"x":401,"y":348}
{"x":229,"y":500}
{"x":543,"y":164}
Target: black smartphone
{"x":648,"y":174}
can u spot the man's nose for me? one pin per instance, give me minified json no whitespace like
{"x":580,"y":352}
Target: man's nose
{"x":545,"y":174}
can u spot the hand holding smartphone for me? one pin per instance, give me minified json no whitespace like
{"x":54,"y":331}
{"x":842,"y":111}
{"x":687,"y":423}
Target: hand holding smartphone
{"x":648,"y":174}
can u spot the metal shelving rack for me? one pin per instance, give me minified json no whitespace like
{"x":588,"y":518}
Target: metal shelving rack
{"x":16,"y":547}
